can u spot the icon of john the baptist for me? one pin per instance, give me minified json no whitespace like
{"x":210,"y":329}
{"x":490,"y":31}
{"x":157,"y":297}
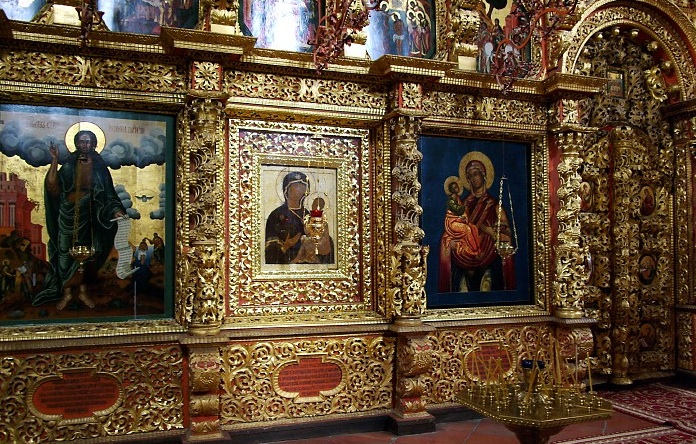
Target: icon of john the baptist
{"x":81,"y":206}
{"x":468,"y":257}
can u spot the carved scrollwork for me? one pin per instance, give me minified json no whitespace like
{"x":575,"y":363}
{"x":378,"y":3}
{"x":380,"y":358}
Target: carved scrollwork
{"x":149,"y":380}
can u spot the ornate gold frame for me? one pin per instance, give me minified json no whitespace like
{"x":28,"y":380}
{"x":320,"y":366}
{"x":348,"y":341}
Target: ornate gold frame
{"x":255,"y":292}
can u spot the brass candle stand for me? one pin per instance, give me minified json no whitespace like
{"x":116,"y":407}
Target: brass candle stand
{"x":533,"y":409}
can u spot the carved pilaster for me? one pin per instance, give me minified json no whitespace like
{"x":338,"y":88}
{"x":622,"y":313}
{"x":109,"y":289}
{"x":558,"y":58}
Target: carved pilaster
{"x":571,"y":256}
{"x":414,"y":358}
{"x":414,"y":361}
{"x":201,"y":223}
{"x":205,"y":366}
{"x":408,"y":265}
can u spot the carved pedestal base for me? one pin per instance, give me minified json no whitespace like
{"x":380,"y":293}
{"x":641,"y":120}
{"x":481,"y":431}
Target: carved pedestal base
{"x":412,"y":424}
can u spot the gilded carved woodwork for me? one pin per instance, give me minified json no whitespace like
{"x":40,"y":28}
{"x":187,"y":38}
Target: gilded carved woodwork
{"x":247,"y":87}
{"x":149,"y":379}
{"x":644,"y":297}
{"x":643,"y":16}
{"x":623,"y":227}
{"x":571,"y":255}
{"x":408,"y":263}
{"x":574,"y":346}
{"x":686,"y":330}
{"x":448,"y":375}
{"x":207,"y":76}
{"x":200,"y":225}
{"x":205,"y":381}
{"x":250,"y":372}
{"x":458,"y":23}
{"x":414,"y":358}
{"x":259,"y":289}
{"x":77,"y":70}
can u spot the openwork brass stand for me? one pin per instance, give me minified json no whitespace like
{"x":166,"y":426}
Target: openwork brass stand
{"x":534,"y":412}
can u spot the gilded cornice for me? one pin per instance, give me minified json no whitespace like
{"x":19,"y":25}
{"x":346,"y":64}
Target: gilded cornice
{"x":410,"y":69}
{"x":65,"y":95}
{"x":558,"y":85}
{"x":202,"y":45}
{"x":88,"y":333}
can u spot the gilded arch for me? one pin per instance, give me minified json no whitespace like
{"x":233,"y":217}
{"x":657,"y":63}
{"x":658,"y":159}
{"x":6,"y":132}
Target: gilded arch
{"x":669,"y":33}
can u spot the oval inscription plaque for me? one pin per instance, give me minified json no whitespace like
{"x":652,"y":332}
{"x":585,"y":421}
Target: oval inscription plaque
{"x":75,"y":395}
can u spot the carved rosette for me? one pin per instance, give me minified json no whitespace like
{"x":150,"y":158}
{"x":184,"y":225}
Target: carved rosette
{"x":408,"y":265}
{"x":571,"y":256}
{"x":205,"y":367}
{"x":414,"y":358}
{"x":201,"y":224}
{"x":207,"y":76}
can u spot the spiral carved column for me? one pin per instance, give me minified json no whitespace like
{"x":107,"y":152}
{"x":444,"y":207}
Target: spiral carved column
{"x":571,"y":256}
{"x":408,"y":265}
{"x":406,"y":291}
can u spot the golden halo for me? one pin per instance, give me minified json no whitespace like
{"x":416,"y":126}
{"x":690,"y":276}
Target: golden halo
{"x":285,"y":171}
{"x":476,"y":155}
{"x":451,"y":179}
{"x":84,"y":126}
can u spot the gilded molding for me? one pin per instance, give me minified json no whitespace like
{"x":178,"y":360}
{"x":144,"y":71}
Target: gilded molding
{"x":380,"y":141}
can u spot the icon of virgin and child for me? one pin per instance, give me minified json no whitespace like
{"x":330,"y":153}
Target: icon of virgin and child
{"x":296,"y":234}
{"x":473,"y":225}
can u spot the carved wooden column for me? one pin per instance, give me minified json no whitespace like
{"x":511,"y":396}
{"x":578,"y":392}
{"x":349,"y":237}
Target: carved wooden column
{"x":200,"y":230}
{"x":406,"y":288}
{"x":571,"y":256}
{"x":625,"y":235}
{"x":684,"y":133}
{"x":408,"y":264}
{"x":201,"y":203}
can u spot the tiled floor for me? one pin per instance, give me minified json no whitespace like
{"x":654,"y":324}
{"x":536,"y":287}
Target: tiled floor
{"x":480,"y":431}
